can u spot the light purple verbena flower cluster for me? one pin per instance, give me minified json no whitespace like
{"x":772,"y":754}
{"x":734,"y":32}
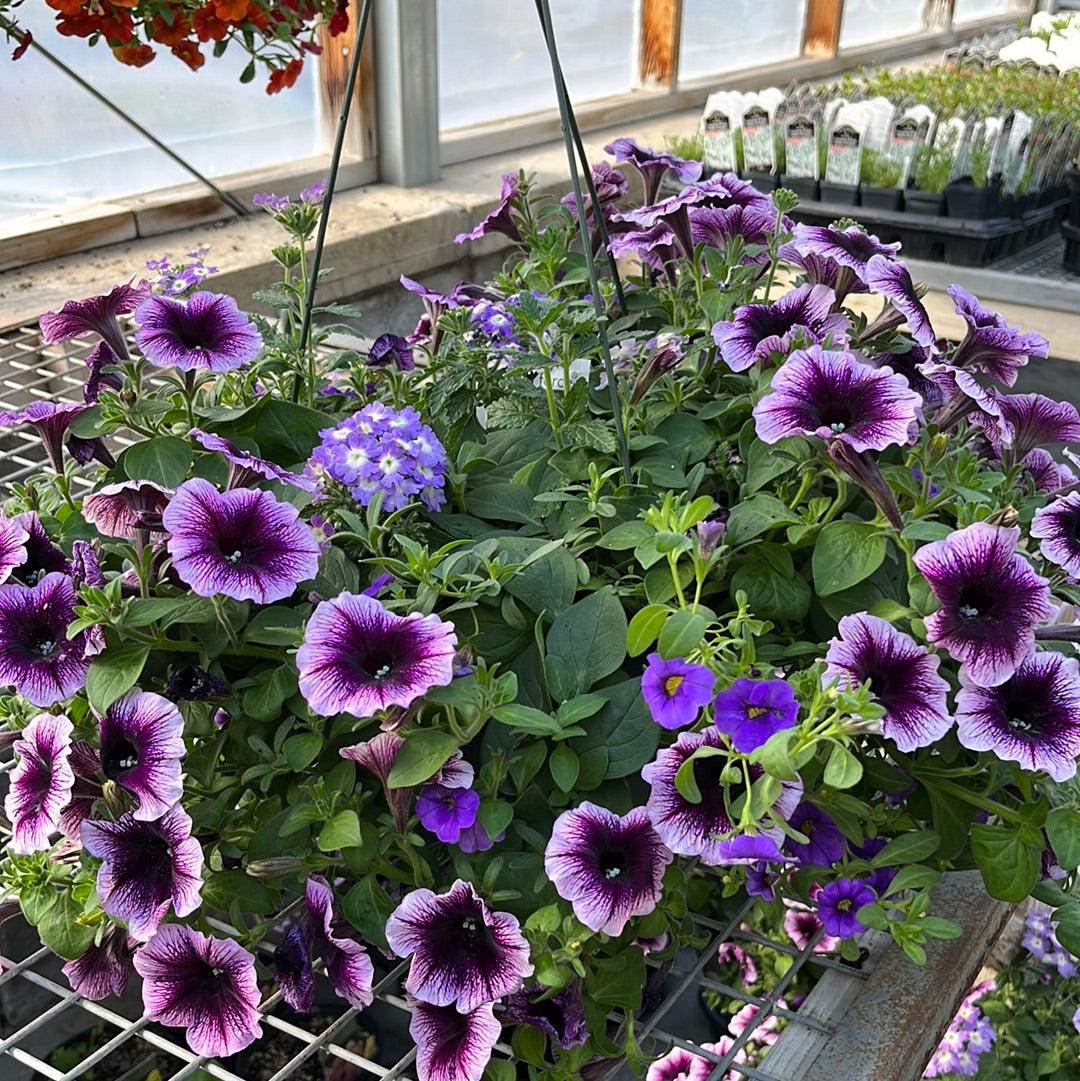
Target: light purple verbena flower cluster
{"x":378,"y":450}
{"x":181,"y":279}
{"x":1041,"y":942}
{"x":967,"y":1039}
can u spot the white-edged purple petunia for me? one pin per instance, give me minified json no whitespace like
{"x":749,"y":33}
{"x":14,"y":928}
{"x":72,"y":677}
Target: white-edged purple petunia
{"x":13,"y":538}
{"x":675,"y":690}
{"x":207,"y":331}
{"x":37,"y":657}
{"x":242,"y":544}
{"x":990,"y":597}
{"x":359,"y":658}
{"x":41,"y":782}
{"x":609,"y":868}
{"x":903,"y":678}
{"x":206,"y":985}
{"x":123,"y":508}
{"x":142,"y":745}
{"x":149,"y":868}
{"x":652,"y":165}
{"x":1057,"y":527}
{"x":1033,"y":420}
{"x":891,"y":279}
{"x":990,"y":345}
{"x":463,"y":953}
{"x":561,"y":1016}
{"x":836,"y":397}
{"x":347,"y":964}
{"x":95,"y":315}
{"x":245,"y":468}
{"x":104,"y":967}
{"x":1032,"y":718}
{"x":452,"y":1046}
{"x":378,"y":755}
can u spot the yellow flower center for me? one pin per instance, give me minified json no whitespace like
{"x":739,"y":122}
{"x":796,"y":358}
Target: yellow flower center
{"x":672,"y":684}
{"x":756,"y":711}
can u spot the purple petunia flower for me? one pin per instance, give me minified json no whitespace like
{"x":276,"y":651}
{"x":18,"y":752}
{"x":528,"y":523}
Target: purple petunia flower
{"x":682,"y":1064}
{"x":990,"y":598}
{"x":851,"y":248}
{"x":1034,"y":420}
{"x":652,"y":165}
{"x":609,"y":868}
{"x":42,"y":556}
{"x":245,"y":469}
{"x":1047,"y":475}
{"x":377,"y":755}
{"x":751,"y":710}
{"x":706,"y":828}
{"x":835,"y":397}
{"x":891,"y":279}
{"x":101,"y":357}
{"x":802,"y":924}
{"x":610,"y":185}
{"x":85,"y":565}
{"x":208,"y":331}
{"x":463,"y":953}
{"x":359,"y":658}
{"x":123,"y":508}
{"x":13,"y":538}
{"x":292,"y":968}
{"x":1057,"y":526}
{"x":95,"y":315}
{"x":149,"y":868}
{"x":826,"y":842}
{"x":675,"y":690}
{"x":903,"y":678}
{"x":41,"y":782}
{"x":36,"y":655}
{"x":990,"y":344}
{"x":561,"y":1016}
{"x":243,"y":544}
{"x":104,"y":968}
{"x":501,"y":219}
{"x":724,"y":227}
{"x":142,"y":743}
{"x":391,"y":350}
{"x":451,"y":1045}
{"x":839,"y":902}
{"x":1032,"y":718}
{"x":760,"y":330}
{"x":446,"y":812}
{"x":206,"y":985}
{"x":51,"y":421}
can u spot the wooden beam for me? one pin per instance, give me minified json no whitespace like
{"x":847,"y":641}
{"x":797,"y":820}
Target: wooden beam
{"x":821,"y":33}
{"x":658,"y":49}
{"x":334,"y":64}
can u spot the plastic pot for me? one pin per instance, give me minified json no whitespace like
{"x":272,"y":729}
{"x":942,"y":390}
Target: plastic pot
{"x":930,"y":203}
{"x":840,"y":194}
{"x":882,"y":198}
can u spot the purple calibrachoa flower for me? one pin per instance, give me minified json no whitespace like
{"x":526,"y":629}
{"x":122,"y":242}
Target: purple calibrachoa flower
{"x":95,"y":315}
{"x":501,"y":219}
{"x":1034,"y":420}
{"x":675,"y":690}
{"x":609,"y":868}
{"x":206,"y":985}
{"x":838,"y":904}
{"x":760,"y":330}
{"x":1032,"y":718}
{"x":105,"y":967}
{"x":36,"y":655}
{"x":359,"y":658}
{"x":13,"y":538}
{"x":446,"y":812}
{"x":1057,"y":526}
{"x":903,"y":678}
{"x":243,"y":544}
{"x":451,"y":1045}
{"x":706,"y":829}
{"x":990,"y":598}
{"x":42,"y":556}
{"x":41,"y":782}
{"x":751,"y":710}
{"x":245,"y":468}
{"x":208,"y":331}
{"x":561,"y":1016}
{"x":123,"y":508}
{"x":142,"y":744}
{"x":990,"y":344}
{"x":149,"y":868}
{"x":826,"y":843}
{"x":834,"y":396}
{"x":51,"y":421}
{"x":463,"y":953}
{"x":652,"y":165}
{"x":891,"y":279}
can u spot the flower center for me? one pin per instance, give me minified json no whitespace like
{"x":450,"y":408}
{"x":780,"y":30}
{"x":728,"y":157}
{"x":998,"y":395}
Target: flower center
{"x":45,"y":646}
{"x":381,"y":672}
{"x":612,"y":865}
{"x":121,"y":757}
{"x":672,"y":684}
{"x":756,"y":711}
{"x":469,"y":925}
{"x":973,"y":603}
{"x":234,"y":558}
{"x":844,"y":904}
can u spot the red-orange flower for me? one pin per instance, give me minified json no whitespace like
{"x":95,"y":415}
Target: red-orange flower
{"x":257,"y":17}
{"x":134,"y":54}
{"x":170,"y":33}
{"x":283,"y":77}
{"x":66,"y":7}
{"x":208,"y":26}
{"x":230,"y":11}
{"x":188,"y":51}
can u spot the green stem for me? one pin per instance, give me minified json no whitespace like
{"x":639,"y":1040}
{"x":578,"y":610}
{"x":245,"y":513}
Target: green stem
{"x":804,"y":487}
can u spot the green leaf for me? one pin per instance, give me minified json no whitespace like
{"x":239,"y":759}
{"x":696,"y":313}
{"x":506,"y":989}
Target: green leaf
{"x":564,"y":766}
{"x":1063,"y":830}
{"x":264,"y":700}
{"x":624,"y":729}
{"x":61,"y":930}
{"x":618,"y":980}
{"x":1009,"y":859}
{"x":843,"y":769}
{"x":500,"y":1069}
{"x":589,"y":638}
{"x":302,"y":749}
{"x":501,"y":503}
{"x":908,"y":848}
{"x":169,"y":610}
{"x":644,"y":628}
{"x":577,"y":709}
{"x":494,"y":815}
{"x":342,"y":831}
{"x":534,"y":721}
{"x":624,"y":536}
{"x":114,"y":672}
{"x":770,"y":593}
{"x":275,"y":626}
{"x":366,"y":906}
{"x":420,"y":758}
{"x":681,"y":633}
{"x":223,"y":889}
{"x":1067,"y":929}
{"x":754,"y":516}
{"x":549,"y":583}
{"x":286,"y":431}
{"x":165,"y":460}
{"x":913,"y":877}
{"x":845,"y":554}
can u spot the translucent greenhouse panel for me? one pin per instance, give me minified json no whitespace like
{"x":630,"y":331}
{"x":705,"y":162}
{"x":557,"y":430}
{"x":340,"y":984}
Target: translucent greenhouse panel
{"x":738,"y":34}
{"x":867,"y":22}
{"x":493,"y":62}
{"x":968,"y":11}
{"x":63,"y":149}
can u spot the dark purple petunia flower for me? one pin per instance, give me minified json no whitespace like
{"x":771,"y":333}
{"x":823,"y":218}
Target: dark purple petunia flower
{"x":990,"y":599}
{"x":347,"y":964}
{"x":903,"y":678}
{"x":142,"y":744}
{"x":243,"y":544}
{"x":839,"y":902}
{"x":292,"y":969}
{"x":451,"y":1045}
{"x":42,"y":556}
{"x":378,"y":755}
{"x":125,"y":507}
{"x":675,"y":690}
{"x":51,"y":421}
{"x":85,"y":565}
{"x":1057,"y":526}
{"x":826,"y":842}
{"x":245,"y":469}
{"x":36,"y":655}
{"x":208,"y":331}
{"x":391,"y":350}
{"x":149,"y":868}
{"x":561,"y":1016}
{"x":835,"y":397}
{"x":706,"y":828}
{"x":723,"y":227}
{"x":609,"y":868}
{"x":86,"y":766}
{"x":359,"y":658}
{"x":446,"y":812}
{"x":851,"y":247}
{"x":1034,"y":420}
{"x":13,"y":538}
{"x":501,"y":219}
{"x":990,"y":344}
{"x":751,"y":710}
{"x":891,"y":279}
{"x":610,"y":185}
{"x":463,"y":953}
{"x":101,"y":357}
{"x":95,"y":315}
{"x":41,"y":782}
{"x":910,"y":366}
{"x":654,"y":245}
{"x":189,"y":683}
{"x":1047,"y":475}
{"x":760,"y":330}
{"x":104,"y":968}
{"x":652,"y":165}
{"x":206,"y":985}
{"x":1033,"y":718}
